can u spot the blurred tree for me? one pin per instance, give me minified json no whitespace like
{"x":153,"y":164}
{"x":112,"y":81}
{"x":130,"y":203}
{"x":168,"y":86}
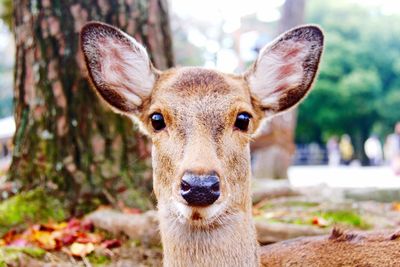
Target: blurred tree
{"x":66,"y":139}
{"x":274,"y":148}
{"x":358,"y":87}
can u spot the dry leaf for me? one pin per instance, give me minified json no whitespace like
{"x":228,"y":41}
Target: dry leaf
{"x":81,"y":250}
{"x":396,"y":206}
{"x":320,"y":221}
{"x":54,"y":226}
{"x":44,"y":239}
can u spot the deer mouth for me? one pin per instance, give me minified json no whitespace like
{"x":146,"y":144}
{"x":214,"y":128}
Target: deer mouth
{"x":200,"y":216}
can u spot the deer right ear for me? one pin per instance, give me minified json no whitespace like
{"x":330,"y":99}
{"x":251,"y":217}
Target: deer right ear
{"x":285,"y":69}
{"x":119,"y":67}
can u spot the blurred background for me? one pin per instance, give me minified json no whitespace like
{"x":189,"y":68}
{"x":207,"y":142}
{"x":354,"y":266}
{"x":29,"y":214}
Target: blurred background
{"x":333,"y":160}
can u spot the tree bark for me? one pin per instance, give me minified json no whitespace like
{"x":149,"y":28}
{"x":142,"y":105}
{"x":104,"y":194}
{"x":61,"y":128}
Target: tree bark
{"x":274,"y":148}
{"x":66,"y":139}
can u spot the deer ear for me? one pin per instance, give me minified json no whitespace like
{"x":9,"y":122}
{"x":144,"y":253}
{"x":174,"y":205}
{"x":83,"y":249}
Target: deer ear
{"x":285,"y":69}
{"x":119,"y":67}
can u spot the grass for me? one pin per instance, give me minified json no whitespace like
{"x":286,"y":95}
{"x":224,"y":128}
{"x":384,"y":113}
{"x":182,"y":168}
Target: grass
{"x":345,"y":217}
{"x":12,"y":254}
{"x":304,"y":216}
{"x":99,"y":260}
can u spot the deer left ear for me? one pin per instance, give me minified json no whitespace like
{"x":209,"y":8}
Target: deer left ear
{"x":286,"y":69}
{"x":119,"y":67}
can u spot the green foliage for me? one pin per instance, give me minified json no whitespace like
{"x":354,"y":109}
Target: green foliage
{"x":345,"y":217}
{"x":358,"y":87}
{"x":31,"y":207}
{"x":99,"y":260}
{"x":6,"y":11}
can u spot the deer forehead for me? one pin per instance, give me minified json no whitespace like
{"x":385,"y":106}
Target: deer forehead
{"x":200,"y":93}
{"x":199,"y":88}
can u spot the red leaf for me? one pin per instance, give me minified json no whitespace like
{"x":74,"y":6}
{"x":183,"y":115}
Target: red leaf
{"x":68,"y":239}
{"x":74,"y":224}
{"x":87,"y":225}
{"x":114,"y":243}
{"x":9,"y":236}
{"x":89,"y":238}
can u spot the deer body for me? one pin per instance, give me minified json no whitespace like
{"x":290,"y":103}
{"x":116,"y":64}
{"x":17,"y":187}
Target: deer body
{"x":377,"y":248}
{"x":200,"y":122}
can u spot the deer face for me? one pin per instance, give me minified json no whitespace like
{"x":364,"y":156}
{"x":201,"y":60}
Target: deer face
{"x":200,"y":121}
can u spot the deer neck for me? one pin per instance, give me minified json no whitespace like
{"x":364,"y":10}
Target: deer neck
{"x":233,"y":244}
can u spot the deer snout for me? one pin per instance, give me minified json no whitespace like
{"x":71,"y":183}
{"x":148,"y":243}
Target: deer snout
{"x":200,"y":190}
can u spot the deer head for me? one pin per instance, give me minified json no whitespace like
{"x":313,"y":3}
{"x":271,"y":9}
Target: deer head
{"x":201,"y":121}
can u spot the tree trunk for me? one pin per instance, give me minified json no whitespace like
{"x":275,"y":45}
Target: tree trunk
{"x":66,"y":139}
{"x":274,"y":148}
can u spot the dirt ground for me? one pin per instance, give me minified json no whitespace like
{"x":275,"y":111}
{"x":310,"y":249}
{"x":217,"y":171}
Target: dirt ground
{"x":282,"y":212}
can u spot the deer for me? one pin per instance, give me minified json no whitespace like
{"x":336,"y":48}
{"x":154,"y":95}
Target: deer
{"x":200,"y":122}
{"x":339,"y":248}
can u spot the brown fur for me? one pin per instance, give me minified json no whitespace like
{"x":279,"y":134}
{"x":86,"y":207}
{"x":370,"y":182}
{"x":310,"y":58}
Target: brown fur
{"x":199,"y":107}
{"x":338,"y":249}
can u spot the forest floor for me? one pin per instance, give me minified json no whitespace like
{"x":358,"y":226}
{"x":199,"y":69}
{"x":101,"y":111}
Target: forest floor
{"x":311,"y":202}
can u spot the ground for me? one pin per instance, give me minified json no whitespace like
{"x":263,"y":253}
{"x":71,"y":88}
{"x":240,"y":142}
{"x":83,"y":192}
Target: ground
{"x":311,"y":202}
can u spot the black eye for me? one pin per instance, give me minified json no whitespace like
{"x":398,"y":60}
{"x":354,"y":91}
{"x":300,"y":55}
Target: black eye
{"x":157,"y":121}
{"x":242,"y":121}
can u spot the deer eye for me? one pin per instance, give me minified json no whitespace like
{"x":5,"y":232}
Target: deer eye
{"x":157,"y":121}
{"x":242,"y":121}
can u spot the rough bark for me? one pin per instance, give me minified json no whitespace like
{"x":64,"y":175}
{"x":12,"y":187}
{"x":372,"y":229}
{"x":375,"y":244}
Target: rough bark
{"x":274,"y":148}
{"x":66,"y":139}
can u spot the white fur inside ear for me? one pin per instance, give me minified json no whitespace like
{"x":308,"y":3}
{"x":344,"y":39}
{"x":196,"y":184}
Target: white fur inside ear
{"x":120,"y":64}
{"x":277,"y":68}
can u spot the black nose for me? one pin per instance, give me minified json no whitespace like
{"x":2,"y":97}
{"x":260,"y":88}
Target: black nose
{"x":200,"y":190}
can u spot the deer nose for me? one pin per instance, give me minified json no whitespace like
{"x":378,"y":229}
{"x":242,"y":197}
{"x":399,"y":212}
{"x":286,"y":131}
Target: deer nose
{"x":200,"y":190}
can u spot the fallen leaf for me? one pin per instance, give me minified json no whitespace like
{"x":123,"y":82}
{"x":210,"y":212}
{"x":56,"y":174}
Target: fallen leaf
{"x":81,"y":250}
{"x":320,"y":221}
{"x":54,"y":226}
{"x":89,"y":238}
{"x":9,"y":236}
{"x":68,"y":239}
{"x":114,"y":243}
{"x":396,"y":206}
{"x":87,"y":225}
{"x":44,"y":239}
{"x":74,"y":224}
